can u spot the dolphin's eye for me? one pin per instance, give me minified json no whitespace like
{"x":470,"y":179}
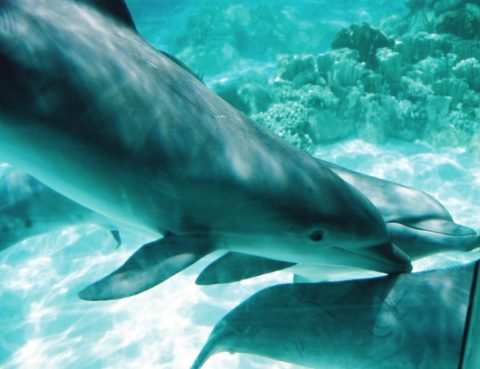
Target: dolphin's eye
{"x":316,"y":236}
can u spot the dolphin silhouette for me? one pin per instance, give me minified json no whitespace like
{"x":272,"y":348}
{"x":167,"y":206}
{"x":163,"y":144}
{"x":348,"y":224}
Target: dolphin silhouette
{"x":93,"y":111}
{"x":410,"y":321}
{"x":29,"y":208}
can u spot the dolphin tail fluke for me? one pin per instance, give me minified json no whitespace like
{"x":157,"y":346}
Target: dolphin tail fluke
{"x":234,"y":267}
{"x":152,"y":264}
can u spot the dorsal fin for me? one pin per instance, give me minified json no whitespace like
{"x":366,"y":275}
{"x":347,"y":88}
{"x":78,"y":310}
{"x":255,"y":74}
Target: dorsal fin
{"x":117,"y":9}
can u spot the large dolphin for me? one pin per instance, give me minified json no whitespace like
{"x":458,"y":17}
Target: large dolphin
{"x":417,"y":223}
{"x":93,"y":111}
{"x":409,"y":321}
{"x":29,"y":208}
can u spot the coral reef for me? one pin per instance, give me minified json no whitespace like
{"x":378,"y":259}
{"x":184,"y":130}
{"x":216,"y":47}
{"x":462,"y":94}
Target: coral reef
{"x":469,"y":70}
{"x":290,"y":121}
{"x":414,"y":77}
{"x":363,"y":38}
{"x":463,"y":22}
{"x":417,"y":88}
{"x":456,"y":17}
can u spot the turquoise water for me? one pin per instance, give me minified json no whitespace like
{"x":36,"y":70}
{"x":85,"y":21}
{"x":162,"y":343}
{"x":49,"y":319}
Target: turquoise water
{"x":42,"y":321}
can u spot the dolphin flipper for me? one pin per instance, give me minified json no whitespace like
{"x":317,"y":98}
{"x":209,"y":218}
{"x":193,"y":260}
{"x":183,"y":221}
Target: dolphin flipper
{"x":116,"y":236}
{"x":297,"y":278}
{"x":235,"y":266}
{"x":152,"y":264}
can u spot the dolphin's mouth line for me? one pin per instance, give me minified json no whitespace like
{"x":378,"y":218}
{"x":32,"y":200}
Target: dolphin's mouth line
{"x":405,"y":267}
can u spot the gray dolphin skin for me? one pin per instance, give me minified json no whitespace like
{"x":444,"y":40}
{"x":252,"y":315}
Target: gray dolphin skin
{"x":412,"y":321}
{"x":417,"y":223}
{"x":29,"y":208}
{"x":93,"y":111}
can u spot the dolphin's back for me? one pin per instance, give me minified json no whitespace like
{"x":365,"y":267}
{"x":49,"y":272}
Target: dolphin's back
{"x":179,"y":136}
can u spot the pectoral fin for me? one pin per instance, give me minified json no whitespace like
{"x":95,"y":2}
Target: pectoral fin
{"x":152,"y":264}
{"x":116,"y":236}
{"x":234,"y":267}
{"x":297,"y":278}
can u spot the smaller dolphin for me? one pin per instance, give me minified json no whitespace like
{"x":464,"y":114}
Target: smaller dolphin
{"x":415,"y":320}
{"x":417,"y":223}
{"x":29,"y":208}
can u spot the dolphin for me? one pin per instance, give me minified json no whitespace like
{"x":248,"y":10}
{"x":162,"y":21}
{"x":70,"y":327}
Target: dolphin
{"x":93,"y":111}
{"x":410,"y":321}
{"x":29,"y":208}
{"x":417,"y":223}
